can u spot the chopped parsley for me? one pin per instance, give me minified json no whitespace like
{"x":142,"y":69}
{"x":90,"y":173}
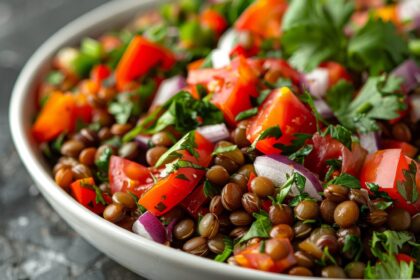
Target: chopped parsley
{"x":260,"y":227}
{"x":345,"y":180}
{"x":246,"y":114}
{"x":339,"y":133}
{"x":295,"y":179}
{"x":224,"y":149}
{"x":374,"y":188}
{"x":299,"y":155}
{"x":353,"y":247}
{"x":227,"y":251}
{"x":408,"y":188}
{"x":187,"y":142}
{"x":273,"y":131}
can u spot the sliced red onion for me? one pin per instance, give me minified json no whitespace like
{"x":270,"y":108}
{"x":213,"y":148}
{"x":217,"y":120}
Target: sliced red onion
{"x":323,"y":109}
{"x":317,"y":82}
{"x":214,"y":132}
{"x":275,"y":167}
{"x":143,"y":141}
{"x":408,"y":10}
{"x":220,"y":58}
{"x":167,"y":89}
{"x":369,"y":141}
{"x":150,"y":227}
{"x":409,"y":71}
{"x":414,"y":102}
{"x":170,"y":229}
{"x":228,"y":40}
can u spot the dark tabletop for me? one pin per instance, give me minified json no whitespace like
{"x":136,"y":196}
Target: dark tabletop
{"x":35,"y":243}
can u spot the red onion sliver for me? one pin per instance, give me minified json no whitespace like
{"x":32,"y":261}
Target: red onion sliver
{"x":220,"y":58}
{"x":228,"y":40}
{"x":414,"y":101}
{"x":317,"y":82}
{"x":275,"y":167}
{"x":167,"y":89}
{"x":369,"y":141}
{"x":143,"y":141}
{"x":214,"y":132}
{"x":170,"y":229}
{"x":323,"y":109}
{"x":149,"y":226}
{"x":409,"y":72}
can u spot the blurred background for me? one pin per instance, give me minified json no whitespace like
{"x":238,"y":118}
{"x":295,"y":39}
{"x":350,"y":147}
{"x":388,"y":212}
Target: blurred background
{"x":34,"y":242}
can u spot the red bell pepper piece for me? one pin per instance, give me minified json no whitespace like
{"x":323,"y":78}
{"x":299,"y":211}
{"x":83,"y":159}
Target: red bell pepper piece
{"x":213,"y":20}
{"x":283,"y":109}
{"x":128,"y":176}
{"x":385,"y":168}
{"x":98,"y":74}
{"x":87,"y":197}
{"x":56,"y":117}
{"x":252,"y":257}
{"x":139,"y":58}
{"x":263,"y":18}
{"x":171,"y":190}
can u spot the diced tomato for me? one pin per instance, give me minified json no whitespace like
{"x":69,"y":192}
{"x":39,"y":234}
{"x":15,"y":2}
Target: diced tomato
{"x":336,"y":72}
{"x":128,"y":176}
{"x":141,"y":56}
{"x":240,"y":50}
{"x":266,"y":204}
{"x":252,"y":257}
{"x":237,"y":89}
{"x":252,"y":175}
{"x":263,"y":18}
{"x":110,"y":42}
{"x":98,"y":74}
{"x":194,"y":201}
{"x":407,"y":149}
{"x":56,"y":117}
{"x":83,"y":111}
{"x":385,"y":168}
{"x":171,"y":190}
{"x":281,"y":65}
{"x":214,"y":20}
{"x":283,"y":109}
{"x":86,"y":196}
{"x":196,"y":64}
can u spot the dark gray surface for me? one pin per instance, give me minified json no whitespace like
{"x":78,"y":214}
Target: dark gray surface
{"x":35,"y":243}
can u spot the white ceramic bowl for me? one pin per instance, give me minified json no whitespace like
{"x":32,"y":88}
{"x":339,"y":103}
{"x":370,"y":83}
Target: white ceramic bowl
{"x":140,"y":255}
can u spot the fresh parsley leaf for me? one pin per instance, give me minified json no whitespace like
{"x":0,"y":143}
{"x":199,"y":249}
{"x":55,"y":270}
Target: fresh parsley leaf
{"x":187,"y":142}
{"x":178,"y":164}
{"x":98,"y":193}
{"x":273,"y":131}
{"x":353,"y":247}
{"x":297,"y":143}
{"x":262,"y":96}
{"x":122,"y":108}
{"x":339,"y":133}
{"x":299,"y":155}
{"x":382,"y":205}
{"x":377,"y":46}
{"x":227,"y":251}
{"x":389,"y":268}
{"x":260,"y":227}
{"x":334,"y":165}
{"x":408,"y":188}
{"x":377,"y":100}
{"x":313,"y":32}
{"x":140,"y":208}
{"x":103,"y":160}
{"x":299,"y":198}
{"x":58,"y":142}
{"x":224,"y":149}
{"x":389,"y":242}
{"x":340,"y":95}
{"x":307,"y":98}
{"x":55,"y":78}
{"x":374,"y":188}
{"x":345,"y":180}
{"x":295,"y":179}
{"x":210,"y":190}
{"x":246,"y":114}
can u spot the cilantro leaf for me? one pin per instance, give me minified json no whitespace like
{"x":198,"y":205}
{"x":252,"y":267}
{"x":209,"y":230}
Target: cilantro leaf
{"x":187,"y":142}
{"x":389,"y":268}
{"x":103,"y":160}
{"x":273,"y":131}
{"x":295,"y":179}
{"x":334,"y":165}
{"x":374,"y":188}
{"x":346,"y":180}
{"x":313,"y":32}
{"x":98,"y":193}
{"x":246,"y":114}
{"x":224,"y":149}
{"x":408,"y":188}
{"x":339,"y":133}
{"x":299,"y":155}
{"x":227,"y":251}
{"x":377,"y":46}
{"x":260,"y":227}
{"x":388,"y":241}
{"x":377,"y":100}
{"x":307,"y":98}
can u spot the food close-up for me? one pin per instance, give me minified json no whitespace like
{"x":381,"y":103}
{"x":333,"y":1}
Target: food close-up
{"x":273,"y":135}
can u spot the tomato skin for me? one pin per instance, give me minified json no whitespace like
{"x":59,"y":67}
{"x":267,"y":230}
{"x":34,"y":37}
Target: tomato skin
{"x":407,"y":149}
{"x":213,"y":20}
{"x":336,"y":72}
{"x":47,"y":125}
{"x":171,"y":190}
{"x":263,"y":18}
{"x":251,"y":257}
{"x":326,"y":148}
{"x":86,"y":196}
{"x":281,"y":108}
{"x":385,"y":168}
{"x":140,"y":56}
{"x":194,"y":201}
{"x":128,"y":176}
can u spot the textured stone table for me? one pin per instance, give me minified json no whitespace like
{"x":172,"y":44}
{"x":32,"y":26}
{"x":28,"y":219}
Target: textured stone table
{"x":35,"y":243}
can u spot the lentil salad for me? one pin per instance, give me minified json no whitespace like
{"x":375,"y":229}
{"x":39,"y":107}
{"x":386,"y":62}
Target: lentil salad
{"x":267,"y":154}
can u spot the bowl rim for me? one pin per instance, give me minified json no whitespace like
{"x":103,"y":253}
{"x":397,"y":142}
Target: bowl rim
{"x":26,"y":82}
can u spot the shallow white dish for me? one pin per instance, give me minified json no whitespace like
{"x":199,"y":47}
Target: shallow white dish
{"x":140,"y":255}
